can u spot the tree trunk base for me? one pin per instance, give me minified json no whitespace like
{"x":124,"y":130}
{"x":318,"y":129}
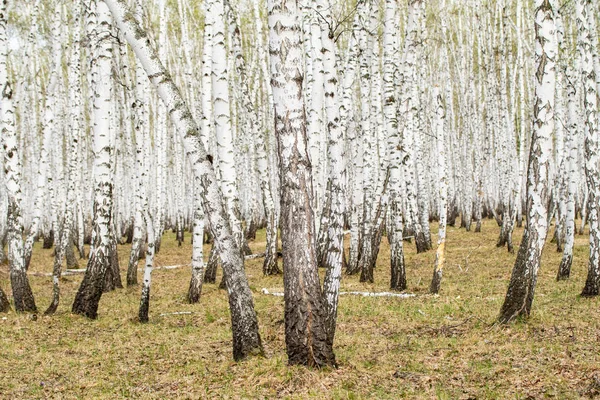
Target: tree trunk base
{"x":270,"y":266}
{"x":22,"y":294}
{"x":564,"y":270}
{"x":210,"y":276}
{"x":436,"y":282}
{"x":91,"y":289}
{"x":195,"y":289}
{"x":144,"y":305}
{"x":421,"y":243}
{"x":4,"y":303}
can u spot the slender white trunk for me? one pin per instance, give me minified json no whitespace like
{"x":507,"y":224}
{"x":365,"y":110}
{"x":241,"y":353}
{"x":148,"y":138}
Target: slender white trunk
{"x":586,"y":45}
{"x":440,"y":254}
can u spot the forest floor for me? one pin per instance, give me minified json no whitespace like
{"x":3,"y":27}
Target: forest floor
{"x":444,"y":346}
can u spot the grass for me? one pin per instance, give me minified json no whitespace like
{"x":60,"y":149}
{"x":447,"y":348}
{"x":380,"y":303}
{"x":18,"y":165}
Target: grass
{"x":443,"y":347}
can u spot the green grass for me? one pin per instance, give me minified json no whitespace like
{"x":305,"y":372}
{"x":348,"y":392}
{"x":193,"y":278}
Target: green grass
{"x":440,"y":347}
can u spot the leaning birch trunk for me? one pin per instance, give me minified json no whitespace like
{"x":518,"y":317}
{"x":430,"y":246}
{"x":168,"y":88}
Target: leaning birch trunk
{"x":586,"y":43}
{"x":443,"y":194}
{"x":305,"y":313}
{"x":246,"y":339}
{"x":22,"y":294}
{"x":91,"y":288}
{"x":519,"y":296}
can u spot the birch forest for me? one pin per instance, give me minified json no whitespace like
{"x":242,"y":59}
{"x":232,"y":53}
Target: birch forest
{"x":300,"y":199}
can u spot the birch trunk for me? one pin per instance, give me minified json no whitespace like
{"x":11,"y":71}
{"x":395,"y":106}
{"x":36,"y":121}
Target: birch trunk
{"x":390,"y":111}
{"x":198,"y":267}
{"x":440,"y":254}
{"x":586,"y":43}
{"x":334,"y":251}
{"x":75,"y":125}
{"x":148,"y":267}
{"x":519,"y":297}
{"x":22,"y":294}
{"x":92,"y":286}
{"x":4,"y":303}
{"x":305,"y":313}
{"x":564,"y":270}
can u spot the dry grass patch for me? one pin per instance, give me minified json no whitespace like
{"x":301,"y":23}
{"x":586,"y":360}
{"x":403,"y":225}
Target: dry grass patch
{"x":442,"y":346}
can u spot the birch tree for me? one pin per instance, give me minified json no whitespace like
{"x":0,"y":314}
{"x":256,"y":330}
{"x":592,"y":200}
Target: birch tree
{"x":22,"y":294}
{"x":586,"y":43}
{"x":91,"y":288}
{"x":443,"y":193}
{"x":519,"y":296}
{"x":246,"y":339}
{"x":76,"y":122}
{"x":305,"y":314}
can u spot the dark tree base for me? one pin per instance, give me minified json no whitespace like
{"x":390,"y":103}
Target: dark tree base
{"x":129,"y":234}
{"x":22,"y":294}
{"x":591,"y":288}
{"x":250,"y":233}
{"x":71,"y":259}
{"x":270,"y":266}
{"x":4,"y":303}
{"x":519,"y":296}
{"x":421,"y":243}
{"x":52,"y":308}
{"x":144,"y":305}
{"x":564,"y":270}
{"x":113,"y":274}
{"x":398,"y":281}
{"x":319,"y":351}
{"x":194,"y":291}
{"x":210,"y":276}
{"x":48,"y":240}
{"x":246,"y":249}
{"x":436,"y":282}
{"x":91,"y":289}
{"x":132,"y":265}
